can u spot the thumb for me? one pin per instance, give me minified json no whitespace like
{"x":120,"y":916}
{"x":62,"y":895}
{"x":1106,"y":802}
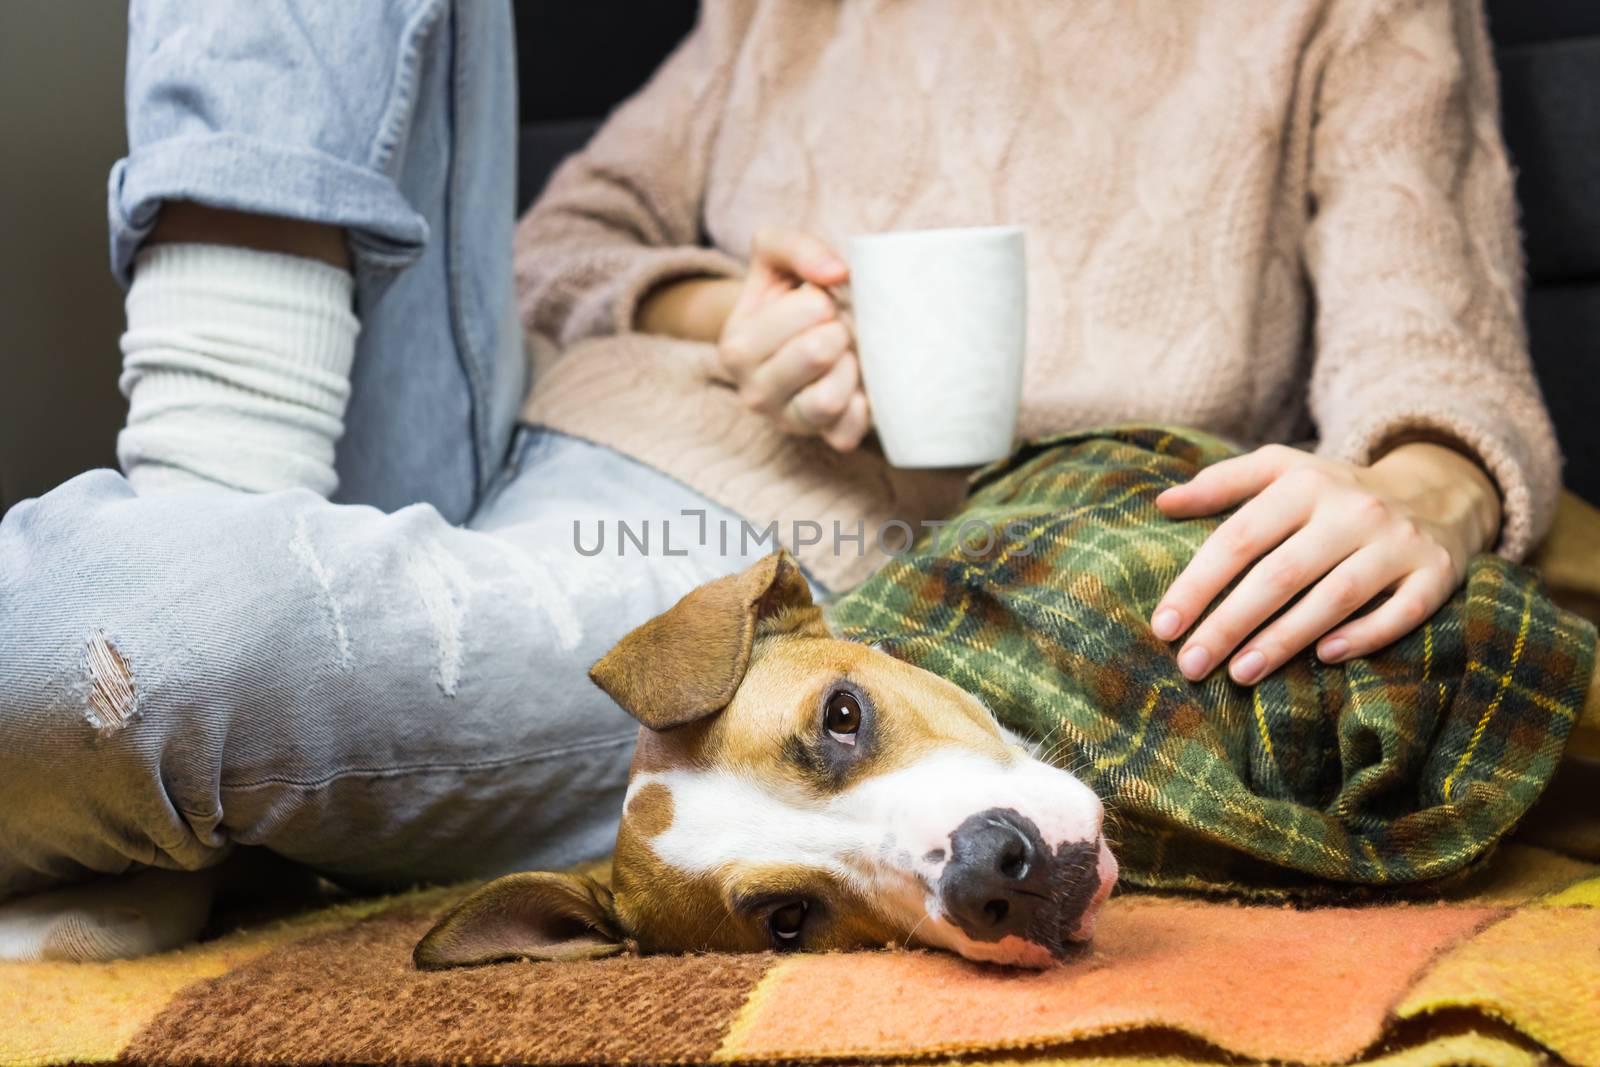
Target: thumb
{"x":799,"y":255}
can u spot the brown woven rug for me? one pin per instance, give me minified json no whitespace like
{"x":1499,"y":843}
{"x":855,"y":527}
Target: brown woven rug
{"x":1506,"y":970}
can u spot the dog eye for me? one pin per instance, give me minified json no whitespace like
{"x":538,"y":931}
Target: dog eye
{"x":842,"y":716}
{"x":786,"y":922}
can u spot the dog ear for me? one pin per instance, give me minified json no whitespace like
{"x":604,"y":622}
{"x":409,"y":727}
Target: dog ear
{"x":530,"y":916}
{"x":686,"y":663}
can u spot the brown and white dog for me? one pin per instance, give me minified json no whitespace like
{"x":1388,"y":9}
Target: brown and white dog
{"x":792,"y":790}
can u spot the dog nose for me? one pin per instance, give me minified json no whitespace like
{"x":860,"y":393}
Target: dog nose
{"x":995,"y":881}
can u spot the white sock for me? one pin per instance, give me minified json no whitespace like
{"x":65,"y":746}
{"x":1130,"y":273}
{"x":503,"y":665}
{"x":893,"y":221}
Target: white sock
{"x":109,"y":918}
{"x":236,"y":366}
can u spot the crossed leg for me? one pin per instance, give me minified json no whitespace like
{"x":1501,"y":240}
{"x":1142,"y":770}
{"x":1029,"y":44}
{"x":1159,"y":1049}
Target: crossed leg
{"x":385,"y":699}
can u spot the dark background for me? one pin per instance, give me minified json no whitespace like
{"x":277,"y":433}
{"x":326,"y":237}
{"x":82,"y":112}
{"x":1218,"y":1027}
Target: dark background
{"x":61,"y":125}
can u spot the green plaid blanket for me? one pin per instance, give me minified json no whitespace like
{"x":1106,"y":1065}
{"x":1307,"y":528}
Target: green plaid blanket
{"x":1400,"y":768}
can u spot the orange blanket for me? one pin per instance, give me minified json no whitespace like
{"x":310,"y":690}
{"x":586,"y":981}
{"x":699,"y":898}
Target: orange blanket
{"x":1506,"y":970}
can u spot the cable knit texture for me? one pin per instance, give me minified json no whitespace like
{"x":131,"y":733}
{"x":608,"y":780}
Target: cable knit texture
{"x":1263,"y":218}
{"x":236,"y":366}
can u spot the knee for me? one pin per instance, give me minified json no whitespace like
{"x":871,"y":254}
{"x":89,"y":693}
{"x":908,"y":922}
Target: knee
{"x":61,"y":558}
{"x":38,"y":525}
{"x":101,"y":587}
{"x":47,"y":572}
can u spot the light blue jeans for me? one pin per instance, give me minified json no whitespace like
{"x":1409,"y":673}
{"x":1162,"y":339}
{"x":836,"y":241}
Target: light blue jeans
{"x":367,"y":686}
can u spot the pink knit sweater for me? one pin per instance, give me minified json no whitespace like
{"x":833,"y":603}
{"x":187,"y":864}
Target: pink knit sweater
{"x":1270,"y":219}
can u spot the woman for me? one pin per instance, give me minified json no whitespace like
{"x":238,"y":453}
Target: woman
{"x":329,"y":613}
{"x":1258,"y":219}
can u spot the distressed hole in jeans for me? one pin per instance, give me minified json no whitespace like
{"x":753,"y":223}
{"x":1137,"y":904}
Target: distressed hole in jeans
{"x":113,"y":700}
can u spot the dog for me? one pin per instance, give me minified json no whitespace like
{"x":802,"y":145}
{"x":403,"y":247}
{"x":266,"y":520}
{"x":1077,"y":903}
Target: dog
{"x":795,"y":791}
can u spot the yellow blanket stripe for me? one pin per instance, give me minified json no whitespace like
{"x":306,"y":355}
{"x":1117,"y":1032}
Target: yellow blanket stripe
{"x":57,"y":1013}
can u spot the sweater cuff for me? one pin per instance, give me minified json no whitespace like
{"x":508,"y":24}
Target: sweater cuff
{"x":657,"y":267}
{"x":1526,"y":475}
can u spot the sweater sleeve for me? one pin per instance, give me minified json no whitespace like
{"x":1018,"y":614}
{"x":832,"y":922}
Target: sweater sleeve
{"x":1414,"y":255}
{"x":624,"y":215}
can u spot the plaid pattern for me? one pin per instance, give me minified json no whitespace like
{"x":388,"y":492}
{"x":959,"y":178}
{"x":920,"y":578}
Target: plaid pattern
{"x":1397,"y":769}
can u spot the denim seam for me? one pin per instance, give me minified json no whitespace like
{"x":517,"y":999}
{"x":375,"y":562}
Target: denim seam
{"x":522,"y":440}
{"x":435,"y":768}
{"x":477,"y":415}
{"x":397,"y":115}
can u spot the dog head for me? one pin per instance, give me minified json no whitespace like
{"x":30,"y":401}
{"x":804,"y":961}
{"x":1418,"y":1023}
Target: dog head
{"x":792,"y":790}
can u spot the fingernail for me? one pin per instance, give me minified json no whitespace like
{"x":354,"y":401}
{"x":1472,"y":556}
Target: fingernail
{"x":1248,"y":667}
{"x":1166,"y":624}
{"x":1335,"y":650}
{"x":1193,"y":662}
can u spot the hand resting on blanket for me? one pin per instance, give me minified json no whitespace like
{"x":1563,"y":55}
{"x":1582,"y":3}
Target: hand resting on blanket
{"x":1339,"y":533}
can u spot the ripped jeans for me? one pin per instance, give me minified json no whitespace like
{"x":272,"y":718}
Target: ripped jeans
{"x":392,"y":687}
{"x":386,"y":698}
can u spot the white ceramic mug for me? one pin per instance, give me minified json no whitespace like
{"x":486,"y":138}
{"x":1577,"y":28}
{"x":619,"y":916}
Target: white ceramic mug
{"x":940,"y":322}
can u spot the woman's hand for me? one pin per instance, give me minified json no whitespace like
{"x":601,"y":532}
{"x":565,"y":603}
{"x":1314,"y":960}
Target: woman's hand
{"x":1342,"y":534}
{"x":779,"y":337}
{"x":786,"y":349}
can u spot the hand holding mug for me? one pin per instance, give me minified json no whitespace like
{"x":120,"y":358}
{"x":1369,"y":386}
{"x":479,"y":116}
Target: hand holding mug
{"x":785,"y":347}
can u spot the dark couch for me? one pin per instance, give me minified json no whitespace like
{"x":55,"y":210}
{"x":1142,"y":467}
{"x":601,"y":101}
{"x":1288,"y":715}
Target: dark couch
{"x":1549,"y":56}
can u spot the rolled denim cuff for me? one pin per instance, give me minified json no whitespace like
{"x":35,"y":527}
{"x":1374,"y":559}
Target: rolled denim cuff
{"x":240,"y":173}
